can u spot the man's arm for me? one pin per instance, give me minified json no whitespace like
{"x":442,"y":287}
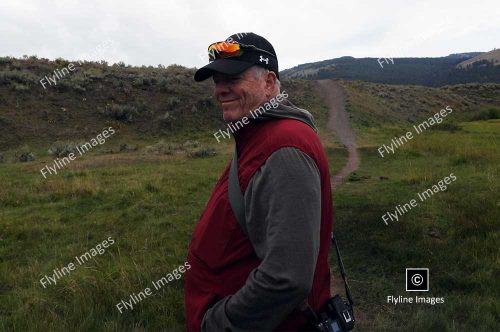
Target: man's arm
{"x":283,"y":217}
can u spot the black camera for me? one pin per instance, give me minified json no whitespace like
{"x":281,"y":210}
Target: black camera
{"x":335,"y":315}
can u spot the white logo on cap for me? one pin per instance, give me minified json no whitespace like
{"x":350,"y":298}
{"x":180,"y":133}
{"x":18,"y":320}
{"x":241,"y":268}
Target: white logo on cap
{"x":262,"y":60}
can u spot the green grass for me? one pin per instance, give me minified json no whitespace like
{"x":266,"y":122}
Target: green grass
{"x":148,"y":206}
{"x":455,"y":233}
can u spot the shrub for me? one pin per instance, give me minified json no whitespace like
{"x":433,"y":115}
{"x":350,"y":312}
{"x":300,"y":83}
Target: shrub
{"x":169,"y":81}
{"x":201,"y":152}
{"x":20,"y":87}
{"x":80,"y":89}
{"x":446,"y":126}
{"x":62,"y":149}
{"x":124,"y":147}
{"x":195,"y":150}
{"x":141,"y":107}
{"x":142,"y":80}
{"x":192,"y":149}
{"x":161,"y":148}
{"x":490,"y":113}
{"x":5,"y":60}
{"x":26,"y":156}
{"x":123,"y":113}
{"x":191,"y":145}
{"x":172,"y":103}
{"x":17,"y":76}
{"x":167,"y":121}
{"x":117,"y":83}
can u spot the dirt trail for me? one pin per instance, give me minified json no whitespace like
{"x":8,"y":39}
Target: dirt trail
{"x":339,"y":123}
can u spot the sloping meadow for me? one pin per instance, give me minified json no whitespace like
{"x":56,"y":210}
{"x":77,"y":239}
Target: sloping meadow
{"x":454,"y":232}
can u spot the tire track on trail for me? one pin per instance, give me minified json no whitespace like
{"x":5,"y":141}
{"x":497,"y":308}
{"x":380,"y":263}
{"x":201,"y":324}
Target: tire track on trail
{"x":338,"y":121}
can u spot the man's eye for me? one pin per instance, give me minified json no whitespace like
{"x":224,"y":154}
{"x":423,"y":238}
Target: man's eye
{"x":226,"y":79}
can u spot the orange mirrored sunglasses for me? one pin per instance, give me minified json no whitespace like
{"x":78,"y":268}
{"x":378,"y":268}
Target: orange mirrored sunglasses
{"x":224,"y":49}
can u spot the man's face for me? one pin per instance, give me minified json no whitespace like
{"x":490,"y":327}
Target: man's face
{"x":239,"y":94}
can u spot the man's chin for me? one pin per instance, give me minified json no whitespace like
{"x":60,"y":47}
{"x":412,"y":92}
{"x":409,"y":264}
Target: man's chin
{"x":231,"y":115}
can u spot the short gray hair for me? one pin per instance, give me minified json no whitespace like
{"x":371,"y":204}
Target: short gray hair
{"x":260,"y":71}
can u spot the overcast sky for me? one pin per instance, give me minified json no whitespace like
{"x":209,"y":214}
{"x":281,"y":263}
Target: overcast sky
{"x":174,"y":31}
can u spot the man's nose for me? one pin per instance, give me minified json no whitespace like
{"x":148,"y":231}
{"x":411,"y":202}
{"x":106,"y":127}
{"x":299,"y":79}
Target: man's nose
{"x":221,"y":88}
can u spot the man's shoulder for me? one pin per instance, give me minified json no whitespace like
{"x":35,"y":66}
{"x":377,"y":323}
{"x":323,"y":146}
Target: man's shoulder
{"x":282,"y":131}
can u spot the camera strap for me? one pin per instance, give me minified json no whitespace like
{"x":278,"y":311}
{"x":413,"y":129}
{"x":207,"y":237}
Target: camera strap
{"x":238,"y":205}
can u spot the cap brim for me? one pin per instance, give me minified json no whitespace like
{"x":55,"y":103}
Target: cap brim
{"x":224,"y":66}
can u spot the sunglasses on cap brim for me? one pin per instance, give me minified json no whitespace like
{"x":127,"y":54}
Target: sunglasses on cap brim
{"x":224,"y":49}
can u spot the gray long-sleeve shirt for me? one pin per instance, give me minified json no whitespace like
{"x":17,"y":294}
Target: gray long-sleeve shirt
{"x":282,"y":221}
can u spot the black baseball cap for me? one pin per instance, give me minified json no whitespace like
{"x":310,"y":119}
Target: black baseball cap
{"x":256,"y":50}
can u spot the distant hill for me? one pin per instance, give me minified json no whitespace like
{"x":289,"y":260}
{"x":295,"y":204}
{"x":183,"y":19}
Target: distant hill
{"x":464,"y":55}
{"x":482,"y":60}
{"x":433,"y":72}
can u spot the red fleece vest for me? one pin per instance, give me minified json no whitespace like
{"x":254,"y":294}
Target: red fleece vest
{"x":220,"y":254}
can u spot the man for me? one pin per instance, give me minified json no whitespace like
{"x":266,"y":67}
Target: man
{"x":257,"y":273}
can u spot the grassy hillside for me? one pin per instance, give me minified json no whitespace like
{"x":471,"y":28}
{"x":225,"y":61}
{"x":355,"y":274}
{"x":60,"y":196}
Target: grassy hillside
{"x":485,"y":59}
{"x":142,"y":103}
{"x":378,"y":110}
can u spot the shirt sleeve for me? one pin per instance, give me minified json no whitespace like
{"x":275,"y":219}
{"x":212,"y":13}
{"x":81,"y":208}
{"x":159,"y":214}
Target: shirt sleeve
{"x":282,"y":221}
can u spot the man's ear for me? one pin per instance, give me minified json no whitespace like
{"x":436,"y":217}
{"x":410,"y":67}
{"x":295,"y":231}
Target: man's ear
{"x":270,"y":81}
